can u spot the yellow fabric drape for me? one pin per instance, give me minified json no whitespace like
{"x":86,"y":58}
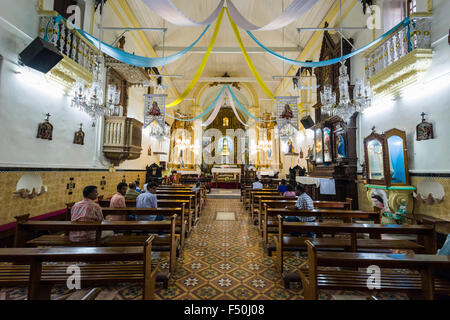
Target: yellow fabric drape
{"x":247,"y":58}
{"x":199,"y":71}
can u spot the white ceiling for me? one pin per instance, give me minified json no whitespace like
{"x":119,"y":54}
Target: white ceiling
{"x":258,"y":12}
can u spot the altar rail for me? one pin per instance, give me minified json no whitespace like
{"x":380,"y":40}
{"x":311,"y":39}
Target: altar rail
{"x":417,"y":35}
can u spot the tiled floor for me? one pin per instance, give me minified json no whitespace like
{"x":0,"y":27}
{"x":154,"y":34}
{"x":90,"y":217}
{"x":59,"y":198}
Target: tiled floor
{"x":221,"y":260}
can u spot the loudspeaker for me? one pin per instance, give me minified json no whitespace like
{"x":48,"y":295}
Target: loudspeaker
{"x":40,"y":55}
{"x":307,"y":122}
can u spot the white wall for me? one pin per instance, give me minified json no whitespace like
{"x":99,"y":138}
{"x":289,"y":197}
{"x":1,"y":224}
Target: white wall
{"x":26,"y":97}
{"x":432,"y":96}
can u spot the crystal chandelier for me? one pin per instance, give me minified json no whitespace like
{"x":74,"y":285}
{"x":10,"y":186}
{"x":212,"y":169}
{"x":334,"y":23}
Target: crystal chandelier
{"x":90,"y":100}
{"x":113,"y":102}
{"x":158,"y":132}
{"x":362,"y":97}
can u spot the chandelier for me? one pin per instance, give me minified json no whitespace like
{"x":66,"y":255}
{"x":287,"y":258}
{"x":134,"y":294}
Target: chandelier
{"x":264,"y":144}
{"x":113,"y":102}
{"x":90,"y":100}
{"x":158,"y":132}
{"x":286,"y":132}
{"x":362,"y":96}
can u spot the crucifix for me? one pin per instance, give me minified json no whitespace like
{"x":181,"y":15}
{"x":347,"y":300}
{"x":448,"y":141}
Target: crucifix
{"x":48,"y":115}
{"x":423,"y":114}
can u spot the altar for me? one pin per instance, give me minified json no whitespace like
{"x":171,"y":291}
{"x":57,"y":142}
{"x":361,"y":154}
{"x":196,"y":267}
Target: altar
{"x":226,"y":176}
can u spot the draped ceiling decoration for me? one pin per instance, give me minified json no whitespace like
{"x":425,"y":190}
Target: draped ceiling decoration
{"x":169,"y":12}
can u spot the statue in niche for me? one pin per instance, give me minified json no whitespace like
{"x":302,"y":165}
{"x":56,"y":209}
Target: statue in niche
{"x":79,"y":136}
{"x":290,"y":146}
{"x":45,"y":129}
{"x":287,"y":113}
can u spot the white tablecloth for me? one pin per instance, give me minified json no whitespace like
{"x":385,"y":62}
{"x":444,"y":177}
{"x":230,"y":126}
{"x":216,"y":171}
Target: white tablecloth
{"x":197,"y":172}
{"x":327,"y":186}
{"x":308,"y":180}
{"x":225,"y":170}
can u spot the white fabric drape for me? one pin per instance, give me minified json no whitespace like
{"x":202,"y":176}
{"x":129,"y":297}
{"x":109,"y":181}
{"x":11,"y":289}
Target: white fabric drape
{"x":234,"y":107}
{"x":167,"y":10}
{"x":296,"y":9}
{"x":215,"y":111}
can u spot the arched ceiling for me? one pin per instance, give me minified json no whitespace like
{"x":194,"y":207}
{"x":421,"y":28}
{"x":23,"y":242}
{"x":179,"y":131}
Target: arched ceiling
{"x":258,"y":12}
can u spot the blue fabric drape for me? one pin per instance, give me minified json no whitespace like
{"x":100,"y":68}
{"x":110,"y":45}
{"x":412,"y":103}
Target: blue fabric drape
{"x":131,"y":59}
{"x":404,"y":23}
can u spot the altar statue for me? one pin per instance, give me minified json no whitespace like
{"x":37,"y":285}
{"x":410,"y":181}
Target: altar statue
{"x":290,"y":146}
{"x":225,"y":151}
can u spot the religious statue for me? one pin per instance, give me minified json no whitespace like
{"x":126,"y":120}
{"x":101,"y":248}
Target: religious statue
{"x":79,"y":136}
{"x":155,"y":111}
{"x":45,"y":129}
{"x":287,"y":113}
{"x":290,"y":146}
{"x":225,"y":151}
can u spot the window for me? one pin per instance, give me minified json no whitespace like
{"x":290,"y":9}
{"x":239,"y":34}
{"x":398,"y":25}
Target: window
{"x":226,"y":122}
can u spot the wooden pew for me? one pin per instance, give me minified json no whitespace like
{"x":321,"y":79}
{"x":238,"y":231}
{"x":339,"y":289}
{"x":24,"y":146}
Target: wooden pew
{"x":285,"y":242}
{"x":252,"y":193}
{"x":184,"y":204}
{"x":183,"y":192}
{"x":28,"y":269}
{"x":180,"y":223}
{"x":25,"y":230}
{"x":347,"y":215}
{"x":202,"y":191}
{"x":249,"y":189}
{"x":193,"y":208}
{"x":288,"y":202}
{"x":424,"y":282}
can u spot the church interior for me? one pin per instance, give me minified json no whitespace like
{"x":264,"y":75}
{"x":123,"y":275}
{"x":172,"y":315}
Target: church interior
{"x":224,"y":150}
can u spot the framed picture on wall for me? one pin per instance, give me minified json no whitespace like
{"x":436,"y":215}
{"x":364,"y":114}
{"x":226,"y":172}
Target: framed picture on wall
{"x":318,"y":145}
{"x":327,"y":146}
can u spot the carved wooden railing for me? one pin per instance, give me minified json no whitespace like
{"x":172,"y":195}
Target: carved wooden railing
{"x":398,"y":60}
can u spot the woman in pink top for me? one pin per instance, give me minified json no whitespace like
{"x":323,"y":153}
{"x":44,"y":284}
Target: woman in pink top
{"x":290,"y":192}
{"x":118,"y":201}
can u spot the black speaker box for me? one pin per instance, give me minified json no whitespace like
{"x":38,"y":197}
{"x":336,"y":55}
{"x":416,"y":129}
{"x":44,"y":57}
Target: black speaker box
{"x":40,"y":55}
{"x":307,"y":122}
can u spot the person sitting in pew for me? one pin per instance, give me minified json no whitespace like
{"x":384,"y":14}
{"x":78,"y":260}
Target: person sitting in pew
{"x":289,"y":192}
{"x":257,"y":185}
{"x":132,"y":192}
{"x":282,"y":188}
{"x":196,"y":187}
{"x":148,"y":200}
{"x":444,"y":251}
{"x":304,"y":202}
{"x":83,"y":211}
{"x":118,"y":201}
{"x":137,"y":187}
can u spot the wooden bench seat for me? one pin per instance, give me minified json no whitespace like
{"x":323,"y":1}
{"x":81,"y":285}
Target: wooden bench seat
{"x":298,"y":244}
{"x":167,"y":243}
{"x":420,"y":281}
{"x":29,"y":268}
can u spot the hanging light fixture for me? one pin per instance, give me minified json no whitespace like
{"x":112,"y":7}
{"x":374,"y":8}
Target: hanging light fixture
{"x":113,"y":102}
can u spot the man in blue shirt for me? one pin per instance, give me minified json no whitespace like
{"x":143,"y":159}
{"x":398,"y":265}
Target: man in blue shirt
{"x":257,"y":185}
{"x":148,"y":200}
{"x":282,"y":188}
{"x":304,"y":202}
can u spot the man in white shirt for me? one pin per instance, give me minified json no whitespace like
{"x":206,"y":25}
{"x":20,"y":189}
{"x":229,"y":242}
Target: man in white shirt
{"x":257,"y":185}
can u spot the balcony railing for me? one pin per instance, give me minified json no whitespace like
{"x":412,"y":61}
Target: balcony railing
{"x":399,"y":59}
{"x":79,"y":54}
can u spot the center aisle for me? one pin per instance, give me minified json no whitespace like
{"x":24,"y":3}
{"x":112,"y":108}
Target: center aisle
{"x":225,"y":260}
